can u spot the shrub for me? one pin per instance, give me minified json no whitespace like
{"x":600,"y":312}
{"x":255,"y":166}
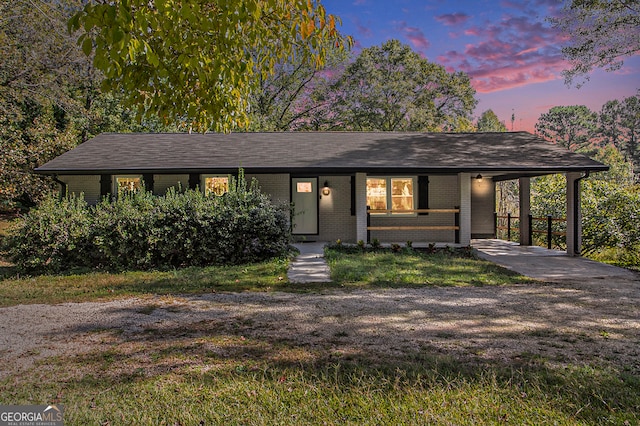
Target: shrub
{"x":142,"y":231}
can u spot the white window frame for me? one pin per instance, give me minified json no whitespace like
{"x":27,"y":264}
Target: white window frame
{"x":116,"y":185}
{"x":414,"y":180}
{"x":203,"y":183}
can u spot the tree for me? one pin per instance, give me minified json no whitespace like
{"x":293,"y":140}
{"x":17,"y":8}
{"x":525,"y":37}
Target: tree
{"x":196,"y":62}
{"x":610,"y":206}
{"x":49,"y":96}
{"x":568,"y":126}
{"x":619,"y":125}
{"x":489,"y":122}
{"x":297,"y":95}
{"x":601,"y":33}
{"x":39,"y":61}
{"x":392,"y":88}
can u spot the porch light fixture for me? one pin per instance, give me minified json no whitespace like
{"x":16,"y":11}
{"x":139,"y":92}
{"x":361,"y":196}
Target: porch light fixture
{"x":479,"y":177}
{"x":325,"y":189}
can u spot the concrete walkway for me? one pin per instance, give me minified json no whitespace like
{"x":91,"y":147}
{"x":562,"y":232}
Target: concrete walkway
{"x":532,"y":261}
{"x":309,"y":266}
{"x":547,"y":265}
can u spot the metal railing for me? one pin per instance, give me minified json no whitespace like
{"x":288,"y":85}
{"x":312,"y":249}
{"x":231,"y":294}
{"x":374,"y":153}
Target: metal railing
{"x":511,"y":224}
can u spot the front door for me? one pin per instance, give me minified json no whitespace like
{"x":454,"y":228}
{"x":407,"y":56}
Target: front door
{"x":304,"y":195}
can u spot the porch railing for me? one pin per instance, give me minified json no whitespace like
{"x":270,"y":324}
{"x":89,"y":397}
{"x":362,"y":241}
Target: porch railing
{"x":511,"y":224}
{"x":455,"y":227}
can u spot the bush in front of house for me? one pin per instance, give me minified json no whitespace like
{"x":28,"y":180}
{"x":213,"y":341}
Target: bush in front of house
{"x":143,"y":231}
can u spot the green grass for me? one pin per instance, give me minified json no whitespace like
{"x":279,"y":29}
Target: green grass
{"x":384,"y":268}
{"x":370,"y":270}
{"x":215,"y":372}
{"x":628,"y":258}
{"x":214,"y":376}
{"x":104,"y":285}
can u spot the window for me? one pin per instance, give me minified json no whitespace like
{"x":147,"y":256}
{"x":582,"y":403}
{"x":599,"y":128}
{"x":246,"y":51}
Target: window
{"x":304,"y":187}
{"x":391,"y":193}
{"x":128,"y":184}
{"x":217,"y":185}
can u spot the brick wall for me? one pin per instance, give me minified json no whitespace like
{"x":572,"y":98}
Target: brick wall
{"x":89,"y":185}
{"x":443,"y":194}
{"x":336,"y":221}
{"x":482,"y":207}
{"x":277,"y":186}
{"x":161,"y":183}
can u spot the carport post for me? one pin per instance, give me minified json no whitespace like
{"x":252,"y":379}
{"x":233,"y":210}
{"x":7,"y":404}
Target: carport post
{"x":464,"y":181}
{"x":574,"y":219}
{"x":361,"y":207}
{"x":525,"y":210}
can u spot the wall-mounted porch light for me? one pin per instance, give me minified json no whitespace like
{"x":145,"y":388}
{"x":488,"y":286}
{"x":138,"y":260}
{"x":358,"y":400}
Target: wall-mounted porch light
{"x":325,"y":189}
{"x":479,"y":177}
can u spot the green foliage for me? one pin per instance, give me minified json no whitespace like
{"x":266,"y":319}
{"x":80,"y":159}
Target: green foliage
{"x":610,"y":205}
{"x":569,"y":126}
{"x":196,"y":62}
{"x":48,"y":97}
{"x":489,"y":122}
{"x":298,"y":95}
{"x":619,"y":125}
{"x":142,"y":231}
{"x":390,"y":87}
{"x":600,"y":34}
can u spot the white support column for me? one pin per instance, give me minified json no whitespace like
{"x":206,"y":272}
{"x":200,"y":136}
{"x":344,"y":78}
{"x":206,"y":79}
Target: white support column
{"x":525,"y":209}
{"x":464,"y":182}
{"x":361,"y":207}
{"x":574,"y":219}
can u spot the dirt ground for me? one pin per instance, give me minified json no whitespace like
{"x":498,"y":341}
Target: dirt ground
{"x":595,"y":321}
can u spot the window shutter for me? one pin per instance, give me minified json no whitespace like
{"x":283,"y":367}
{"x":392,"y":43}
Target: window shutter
{"x":353,"y":195}
{"x":148,"y":181}
{"x":194,"y":180}
{"x":423,"y":193}
{"x":105,"y":185}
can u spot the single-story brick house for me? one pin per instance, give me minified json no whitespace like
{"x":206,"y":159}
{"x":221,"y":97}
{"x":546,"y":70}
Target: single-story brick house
{"x":423,"y":187}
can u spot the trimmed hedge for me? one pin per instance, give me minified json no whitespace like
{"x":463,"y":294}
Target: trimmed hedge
{"x":142,"y":231}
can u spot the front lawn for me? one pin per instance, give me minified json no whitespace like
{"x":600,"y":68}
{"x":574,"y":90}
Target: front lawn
{"x":92,"y":286}
{"x":385,"y":268}
{"x":349,"y":270}
{"x":213,"y":375}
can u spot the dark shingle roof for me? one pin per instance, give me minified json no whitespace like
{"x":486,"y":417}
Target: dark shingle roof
{"x":318,"y":152}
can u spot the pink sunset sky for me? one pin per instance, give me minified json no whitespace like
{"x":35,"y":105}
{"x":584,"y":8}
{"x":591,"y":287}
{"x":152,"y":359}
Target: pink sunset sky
{"x":507,"y":48}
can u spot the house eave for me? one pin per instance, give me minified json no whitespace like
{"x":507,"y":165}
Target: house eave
{"x":501,"y":173}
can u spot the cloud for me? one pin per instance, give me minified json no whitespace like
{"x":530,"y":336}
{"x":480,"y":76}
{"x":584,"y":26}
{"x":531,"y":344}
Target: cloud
{"x":363,"y":30}
{"x":457,"y":18}
{"x":516,"y":51}
{"x":416,"y":37}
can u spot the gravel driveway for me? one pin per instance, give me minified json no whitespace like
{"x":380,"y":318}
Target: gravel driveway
{"x":592,"y":321}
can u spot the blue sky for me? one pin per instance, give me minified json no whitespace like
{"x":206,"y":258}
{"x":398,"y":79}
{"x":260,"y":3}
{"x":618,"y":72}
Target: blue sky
{"x":506,"y":47}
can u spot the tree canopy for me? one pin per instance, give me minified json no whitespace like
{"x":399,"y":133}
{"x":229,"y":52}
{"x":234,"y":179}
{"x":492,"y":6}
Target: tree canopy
{"x":568,"y":126}
{"x":619,"y":125}
{"x":50,"y":99}
{"x":489,"y":122}
{"x":600,"y":34}
{"x":391,"y":87}
{"x":196,"y":62}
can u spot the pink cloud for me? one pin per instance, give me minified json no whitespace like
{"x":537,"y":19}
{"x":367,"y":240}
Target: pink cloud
{"x":415,"y":36}
{"x":457,"y":18}
{"x":363,"y":30}
{"x":517,"y":51}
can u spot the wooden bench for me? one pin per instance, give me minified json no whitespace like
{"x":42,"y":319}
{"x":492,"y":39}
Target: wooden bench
{"x":455,"y":227}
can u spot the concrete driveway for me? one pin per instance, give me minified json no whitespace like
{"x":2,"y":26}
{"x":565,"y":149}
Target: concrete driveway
{"x":548,"y":265}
